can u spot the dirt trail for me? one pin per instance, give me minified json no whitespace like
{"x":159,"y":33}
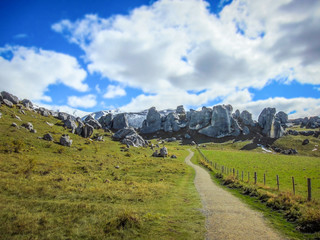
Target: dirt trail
{"x":226,"y":216}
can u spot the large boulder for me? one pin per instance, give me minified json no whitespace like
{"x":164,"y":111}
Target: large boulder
{"x":70,"y":124}
{"x":63,"y":116}
{"x":44,"y":112}
{"x":129,"y":137}
{"x":270,"y":125}
{"x":8,"y":103}
{"x":27,"y":126}
{"x":106,"y":121}
{"x":163,"y":152}
{"x":246,"y":118}
{"x":87,"y":131}
{"x":171,"y":123}
{"x":313,"y":122}
{"x":180,"y":110}
{"x":120,"y":121}
{"x":152,"y":123}
{"x":283,"y":117}
{"x":94,"y":123}
{"x":65,"y":140}
{"x":222,"y":123}
{"x":199,"y":119}
{"x":12,"y":98}
{"x":27,"y":103}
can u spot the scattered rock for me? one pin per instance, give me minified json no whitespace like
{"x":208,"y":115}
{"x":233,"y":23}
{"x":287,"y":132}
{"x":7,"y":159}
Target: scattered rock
{"x":65,"y":140}
{"x":33,"y":131}
{"x":27,"y":103}
{"x":305,"y":142}
{"x":117,"y":167}
{"x":17,"y":117}
{"x":163,"y":152}
{"x":50,"y":124}
{"x":27,"y":126}
{"x":22,"y":112}
{"x":14,"y":125}
{"x":173,"y":156}
{"x":8,"y":103}
{"x":10,"y":97}
{"x":45,"y":112}
{"x":172,"y":139}
{"x":129,"y":137}
{"x":47,"y":137}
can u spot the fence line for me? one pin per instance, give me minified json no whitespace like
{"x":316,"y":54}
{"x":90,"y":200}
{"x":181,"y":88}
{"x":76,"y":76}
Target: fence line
{"x":228,"y":171}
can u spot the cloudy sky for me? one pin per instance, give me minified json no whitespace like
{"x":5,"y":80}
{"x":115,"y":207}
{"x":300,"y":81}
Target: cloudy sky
{"x":104,"y":54}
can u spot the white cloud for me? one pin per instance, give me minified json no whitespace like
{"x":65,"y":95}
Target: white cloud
{"x":86,"y":101}
{"x":114,"y":91}
{"x":30,"y":71}
{"x":173,"y":47}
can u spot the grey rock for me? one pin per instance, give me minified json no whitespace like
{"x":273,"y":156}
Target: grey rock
{"x":86,"y":131}
{"x":106,"y":121}
{"x":94,"y":123}
{"x":129,"y":137}
{"x":22,"y":112}
{"x":1,"y":99}
{"x":63,"y":116}
{"x":193,"y":143}
{"x":271,"y":126}
{"x":120,"y":121}
{"x":27,"y":103}
{"x":187,"y":136}
{"x":199,"y":119}
{"x":313,"y":122}
{"x":33,"y":131}
{"x":28,"y":126}
{"x":152,"y":123}
{"x":8,"y":103}
{"x":222,"y":123}
{"x":245,"y":130}
{"x":70,"y":124}
{"x":14,"y":125}
{"x":79,"y":128}
{"x":283,"y":117}
{"x":47,"y":137}
{"x":8,"y":96}
{"x":65,"y":140}
{"x":173,"y":156}
{"x":171,"y":123}
{"x":180,"y":110}
{"x":293,"y":132}
{"x":163,"y":152}
{"x":305,"y":142}
{"x":236,"y":114}
{"x":172,"y":139}
{"x":17,"y":117}
{"x":0,"y":114}
{"x":246,"y":118}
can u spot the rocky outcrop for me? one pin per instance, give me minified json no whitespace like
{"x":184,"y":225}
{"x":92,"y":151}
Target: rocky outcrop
{"x":129,"y":137}
{"x":180,"y":110}
{"x":7,"y":102}
{"x":246,"y":118}
{"x":222,"y":123}
{"x":270,"y":125}
{"x":92,"y":122}
{"x":10,"y":97}
{"x":199,"y":119}
{"x":65,"y":140}
{"x":106,"y":121}
{"x":86,"y":131}
{"x":171,"y":123}
{"x":283,"y":117}
{"x":27,"y":103}
{"x":163,"y":152}
{"x":70,"y":124}
{"x":120,"y":121}
{"x":44,"y":112}
{"x":152,"y":123}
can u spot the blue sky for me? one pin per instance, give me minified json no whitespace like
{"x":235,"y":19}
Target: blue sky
{"x":98,"y":55}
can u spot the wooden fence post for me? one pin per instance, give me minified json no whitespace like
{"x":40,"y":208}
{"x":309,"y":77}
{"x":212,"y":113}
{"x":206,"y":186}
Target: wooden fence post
{"x":237,"y":174}
{"x":233,"y":171}
{"x":242,"y":176}
{"x":278,"y":182}
{"x":255,"y":177}
{"x":293,"y":186}
{"x":309,"y":189}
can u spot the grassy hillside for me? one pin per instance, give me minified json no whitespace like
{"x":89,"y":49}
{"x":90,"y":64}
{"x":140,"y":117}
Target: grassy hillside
{"x":91,"y":190}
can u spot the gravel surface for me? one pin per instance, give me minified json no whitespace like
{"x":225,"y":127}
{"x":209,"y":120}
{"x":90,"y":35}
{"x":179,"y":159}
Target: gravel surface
{"x":226,"y":216}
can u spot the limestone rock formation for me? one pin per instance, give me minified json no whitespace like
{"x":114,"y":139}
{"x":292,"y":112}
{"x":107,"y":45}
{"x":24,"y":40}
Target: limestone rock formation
{"x":7,"y":102}
{"x":27,"y":103}
{"x":106,"y":121}
{"x":27,"y":126}
{"x":93,"y":122}
{"x":171,"y":123}
{"x":86,"y":131}
{"x":270,"y":125}
{"x":222,"y":123}
{"x":283,"y":117}
{"x":10,"y":97}
{"x":129,"y":137}
{"x":65,"y":140}
{"x":120,"y":121}
{"x":180,"y":110}
{"x":70,"y":124}
{"x":246,"y":118}
{"x":199,"y":119}
{"x":152,"y":123}
{"x":163,"y":152}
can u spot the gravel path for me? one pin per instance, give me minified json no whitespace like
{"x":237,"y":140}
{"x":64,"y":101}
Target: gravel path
{"x":226,"y":216}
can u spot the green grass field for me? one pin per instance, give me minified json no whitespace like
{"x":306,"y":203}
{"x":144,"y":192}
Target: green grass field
{"x":286,"y":167}
{"x":91,"y":190}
